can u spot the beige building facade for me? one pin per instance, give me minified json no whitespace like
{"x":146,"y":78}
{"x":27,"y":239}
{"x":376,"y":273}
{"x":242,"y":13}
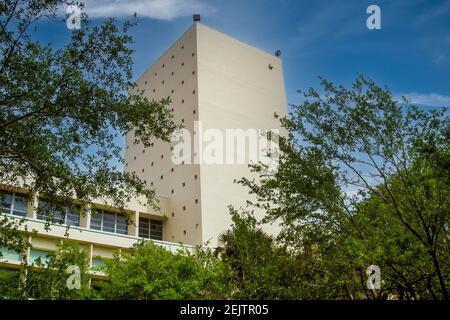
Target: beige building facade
{"x":102,"y":235}
{"x":215,"y":82}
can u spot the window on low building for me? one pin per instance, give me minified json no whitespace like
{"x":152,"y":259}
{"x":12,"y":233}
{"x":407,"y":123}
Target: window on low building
{"x":109,"y":222}
{"x":150,"y":229}
{"x":10,"y":254}
{"x":98,"y":263}
{"x":39,"y":255}
{"x":13,"y":203}
{"x":69,"y":215}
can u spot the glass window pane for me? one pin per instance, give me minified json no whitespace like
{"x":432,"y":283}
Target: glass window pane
{"x":109,"y":217}
{"x":73,"y":216}
{"x":58,"y":215}
{"x":97,"y":263}
{"x":108,"y":226}
{"x":35,"y":254}
{"x":96,"y":220}
{"x":122,"y":229}
{"x":121,"y":226}
{"x":109,"y":221}
{"x":20,"y":205}
{"x":5,"y":202}
{"x":10,"y":254}
{"x":155,"y":230}
{"x":43,"y":210}
{"x":144,"y":231}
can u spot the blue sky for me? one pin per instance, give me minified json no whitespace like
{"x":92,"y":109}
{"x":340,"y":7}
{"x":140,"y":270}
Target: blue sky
{"x":410,"y":54}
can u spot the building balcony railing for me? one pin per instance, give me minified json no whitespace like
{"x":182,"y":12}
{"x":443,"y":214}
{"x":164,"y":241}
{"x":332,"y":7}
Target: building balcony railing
{"x":96,"y":237}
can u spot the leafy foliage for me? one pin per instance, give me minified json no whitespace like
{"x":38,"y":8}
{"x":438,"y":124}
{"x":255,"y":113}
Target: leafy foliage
{"x":14,"y":234}
{"x":260,"y":269}
{"x":152,"y":272}
{"x":10,"y":285}
{"x":63,"y":111}
{"x":47,"y":278}
{"x":394,"y":158}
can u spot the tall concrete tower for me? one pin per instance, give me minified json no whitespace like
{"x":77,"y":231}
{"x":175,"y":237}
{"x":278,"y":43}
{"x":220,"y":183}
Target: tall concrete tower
{"x":221,"y":83}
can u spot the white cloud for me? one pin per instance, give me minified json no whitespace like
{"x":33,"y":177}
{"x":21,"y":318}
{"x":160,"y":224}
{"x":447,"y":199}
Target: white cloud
{"x":157,"y":9}
{"x":428,"y":99}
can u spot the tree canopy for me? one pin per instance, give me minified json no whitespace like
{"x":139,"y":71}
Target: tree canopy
{"x":63,"y":111}
{"x":365,"y":179}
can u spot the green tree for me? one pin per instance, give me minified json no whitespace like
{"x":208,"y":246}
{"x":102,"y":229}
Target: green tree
{"x":47,"y":278}
{"x":10,"y":285}
{"x":365,"y":179}
{"x":150,"y":272}
{"x":409,"y":269}
{"x":63,"y":110}
{"x":14,"y":234}
{"x":14,"y":237}
{"x":261,"y":268}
